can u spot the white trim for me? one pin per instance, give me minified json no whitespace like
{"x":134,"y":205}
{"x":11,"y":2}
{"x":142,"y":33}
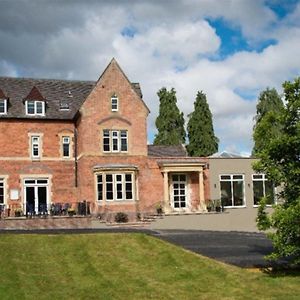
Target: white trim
{"x":36,"y":185}
{"x":118,"y":138}
{"x":35,"y":145}
{"x":186,"y":189}
{"x":35,"y":113}
{"x":114,"y":104}
{"x":66,"y":140}
{"x":263,"y":179}
{"x":114,"y":183}
{"x":5,"y":107}
{"x":231,"y":180}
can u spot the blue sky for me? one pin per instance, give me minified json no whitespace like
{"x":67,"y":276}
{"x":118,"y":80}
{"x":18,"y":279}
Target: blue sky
{"x":230,"y":49}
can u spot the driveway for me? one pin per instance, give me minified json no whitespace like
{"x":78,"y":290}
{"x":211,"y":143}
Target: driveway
{"x":237,"y":248}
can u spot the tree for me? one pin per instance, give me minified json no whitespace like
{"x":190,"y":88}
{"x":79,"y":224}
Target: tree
{"x":280,"y":160}
{"x":202,"y":140}
{"x":267,"y":125}
{"x":170,"y":121}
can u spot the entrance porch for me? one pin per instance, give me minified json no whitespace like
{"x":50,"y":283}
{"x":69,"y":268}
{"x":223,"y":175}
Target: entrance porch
{"x":183,"y":186}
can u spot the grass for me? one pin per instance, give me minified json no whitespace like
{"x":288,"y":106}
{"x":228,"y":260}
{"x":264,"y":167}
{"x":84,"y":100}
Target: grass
{"x":125,"y":266}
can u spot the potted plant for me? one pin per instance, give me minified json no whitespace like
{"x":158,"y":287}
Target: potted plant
{"x":18,"y":212}
{"x":71,"y":212}
{"x":218,"y":206}
{"x":159,"y":209}
{"x":210,"y":206}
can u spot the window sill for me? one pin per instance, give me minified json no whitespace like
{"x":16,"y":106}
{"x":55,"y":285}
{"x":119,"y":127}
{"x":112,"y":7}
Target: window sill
{"x":242,"y":206}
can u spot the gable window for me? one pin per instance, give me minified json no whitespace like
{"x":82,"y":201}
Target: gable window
{"x":114,"y":103}
{"x":66,"y":146}
{"x":115,"y":140}
{"x":3,"y":106}
{"x":36,"y":108}
{"x":232,"y":190}
{"x":115,"y":187}
{"x":262,"y":188}
{"x":35,"y":146}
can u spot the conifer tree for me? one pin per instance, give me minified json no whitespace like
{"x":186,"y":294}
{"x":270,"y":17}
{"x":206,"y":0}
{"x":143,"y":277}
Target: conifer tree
{"x":267,"y":126}
{"x":170,"y":121}
{"x":202,"y":139}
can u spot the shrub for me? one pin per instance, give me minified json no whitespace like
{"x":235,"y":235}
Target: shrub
{"x":121,"y":217}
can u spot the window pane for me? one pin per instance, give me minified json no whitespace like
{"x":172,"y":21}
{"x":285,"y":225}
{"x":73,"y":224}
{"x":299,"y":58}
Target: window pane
{"x":258,"y":191}
{"x":42,"y":181}
{"x":119,"y":191}
{"x":109,"y":191}
{"x":269,"y":192}
{"x":115,"y":144}
{"x":1,"y":192}
{"x":226,"y":177}
{"x":100,"y":187}
{"x":128,"y":177}
{"x":39,"y":107}
{"x":114,"y":104}
{"x":123,"y":140}
{"x":66,"y":150}
{"x":237,"y":176}
{"x":238,"y":193}
{"x":2,"y":106}
{"x":106,"y":141}
{"x":30,"y":107}
{"x":226,"y":196}
{"x":257,"y":176}
{"x":109,"y":178}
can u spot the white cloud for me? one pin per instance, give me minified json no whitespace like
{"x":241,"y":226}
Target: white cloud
{"x":171,"y":47}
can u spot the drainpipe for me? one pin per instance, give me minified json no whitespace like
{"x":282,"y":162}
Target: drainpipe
{"x":75,"y":161}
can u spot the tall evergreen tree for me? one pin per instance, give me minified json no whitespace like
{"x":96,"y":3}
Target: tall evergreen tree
{"x":202,"y":139}
{"x":267,"y":126}
{"x":170,"y":121}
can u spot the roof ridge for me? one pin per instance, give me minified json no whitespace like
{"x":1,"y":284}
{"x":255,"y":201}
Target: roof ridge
{"x":48,"y":79}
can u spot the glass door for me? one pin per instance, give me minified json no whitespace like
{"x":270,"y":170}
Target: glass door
{"x":179,"y":191}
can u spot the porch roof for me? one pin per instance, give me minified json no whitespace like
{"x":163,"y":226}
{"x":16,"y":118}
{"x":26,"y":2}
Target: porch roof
{"x":113,"y":167}
{"x":182,"y":165}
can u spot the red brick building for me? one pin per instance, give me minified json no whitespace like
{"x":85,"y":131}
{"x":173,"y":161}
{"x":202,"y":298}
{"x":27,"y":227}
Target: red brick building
{"x":72,"y":141}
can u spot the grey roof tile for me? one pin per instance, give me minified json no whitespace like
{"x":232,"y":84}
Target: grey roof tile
{"x":167,"y":151}
{"x":54,"y":91}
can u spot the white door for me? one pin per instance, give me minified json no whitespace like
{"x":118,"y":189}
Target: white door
{"x":179,"y":191}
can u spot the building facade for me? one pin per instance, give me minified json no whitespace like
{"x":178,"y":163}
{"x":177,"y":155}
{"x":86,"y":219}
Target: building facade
{"x":67,"y":142}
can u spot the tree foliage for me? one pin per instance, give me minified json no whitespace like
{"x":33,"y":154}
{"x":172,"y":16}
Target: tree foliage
{"x":170,"y":121}
{"x":268,"y":125}
{"x":202,"y":140}
{"x":280,"y":160}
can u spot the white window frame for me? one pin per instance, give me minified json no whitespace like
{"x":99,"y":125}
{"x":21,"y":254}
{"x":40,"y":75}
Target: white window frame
{"x":115,"y":135}
{"x":231,"y":180}
{"x":116,"y":138}
{"x":35,"y":144}
{"x":5,"y":106}
{"x":263,"y":179}
{"x":3,"y":182}
{"x":66,"y":140}
{"x":115,"y":182}
{"x":35,"y":113}
{"x":114,"y":103}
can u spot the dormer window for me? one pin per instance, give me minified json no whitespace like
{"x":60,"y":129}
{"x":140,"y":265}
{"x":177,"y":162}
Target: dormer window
{"x":35,"y":108}
{"x":3,"y":106}
{"x":114,"y":103}
{"x":35,"y":103}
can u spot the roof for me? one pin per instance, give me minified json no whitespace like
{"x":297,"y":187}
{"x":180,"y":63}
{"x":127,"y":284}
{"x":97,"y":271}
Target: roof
{"x":167,"y":151}
{"x":226,"y":154}
{"x":68,"y":95}
{"x":54,"y":91}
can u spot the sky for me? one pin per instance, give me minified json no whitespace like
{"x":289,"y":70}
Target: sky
{"x":230,"y":49}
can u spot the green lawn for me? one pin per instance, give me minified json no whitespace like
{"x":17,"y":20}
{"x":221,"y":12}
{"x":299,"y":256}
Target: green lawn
{"x":125,"y":266}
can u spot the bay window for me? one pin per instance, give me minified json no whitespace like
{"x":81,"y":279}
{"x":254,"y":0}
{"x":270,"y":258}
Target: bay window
{"x":115,"y":186}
